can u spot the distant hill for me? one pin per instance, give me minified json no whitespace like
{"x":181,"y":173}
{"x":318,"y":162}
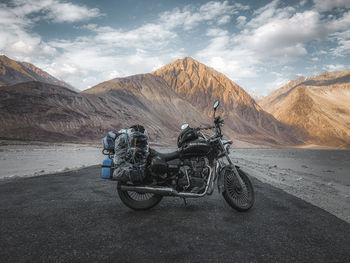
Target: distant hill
{"x":319,"y":105}
{"x":256,"y":97}
{"x":14,"y":72}
{"x":181,"y":92}
{"x":147,"y":99}
{"x":202,"y":85}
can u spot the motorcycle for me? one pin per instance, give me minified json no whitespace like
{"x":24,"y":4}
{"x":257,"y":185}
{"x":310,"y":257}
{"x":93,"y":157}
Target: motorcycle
{"x":191,"y":172}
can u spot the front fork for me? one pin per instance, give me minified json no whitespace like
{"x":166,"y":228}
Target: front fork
{"x":220,"y":166}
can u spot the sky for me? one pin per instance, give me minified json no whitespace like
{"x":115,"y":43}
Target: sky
{"x":260,"y":45}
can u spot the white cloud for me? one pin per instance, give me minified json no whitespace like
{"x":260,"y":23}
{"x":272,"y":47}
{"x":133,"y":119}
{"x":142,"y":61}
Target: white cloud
{"x":68,"y":12}
{"x":275,"y":84}
{"x":303,"y":2}
{"x":274,"y":35}
{"x":328,"y":5}
{"x":148,"y":35}
{"x":241,"y":20}
{"x":343,"y":43}
{"x":224,"y":20}
{"x":17,"y":19}
{"x":188,"y":17}
{"x":335,"y":67}
{"x":54,"y":10}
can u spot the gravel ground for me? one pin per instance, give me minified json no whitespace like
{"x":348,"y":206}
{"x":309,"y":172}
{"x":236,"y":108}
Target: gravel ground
{"x":321,"y":177}
{"x":23,"y":160}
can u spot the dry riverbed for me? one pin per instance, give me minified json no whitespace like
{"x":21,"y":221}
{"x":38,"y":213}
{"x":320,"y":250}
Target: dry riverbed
{"x":321,"y":177}
{"x":31,"y":159}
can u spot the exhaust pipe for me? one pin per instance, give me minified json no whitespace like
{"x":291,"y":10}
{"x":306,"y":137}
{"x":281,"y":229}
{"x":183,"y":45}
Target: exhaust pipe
{"x":166,"y":191}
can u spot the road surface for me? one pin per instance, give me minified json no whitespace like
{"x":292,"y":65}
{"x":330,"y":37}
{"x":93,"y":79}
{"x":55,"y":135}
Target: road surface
{"x":77,"y":217}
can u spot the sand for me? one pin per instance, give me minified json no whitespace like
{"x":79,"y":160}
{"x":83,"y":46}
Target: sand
{"x":320,"y":177}
{"x":21,"y":160}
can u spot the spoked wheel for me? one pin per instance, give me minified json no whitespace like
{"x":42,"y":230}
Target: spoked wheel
{"x":238,"y":191}
{"x":138,"y":201}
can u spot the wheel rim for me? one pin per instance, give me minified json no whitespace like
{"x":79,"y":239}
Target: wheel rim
{"x":140,"y":196}
{"x":237,"y":189}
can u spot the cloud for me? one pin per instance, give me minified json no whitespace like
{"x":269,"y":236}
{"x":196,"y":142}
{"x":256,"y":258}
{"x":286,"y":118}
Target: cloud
{"x":18,"y":17}
{"x":224,"y":20}
{"x":274,"y":35}
{"x":241,"y":20}
{"x":190,"y":17}
{"x":335,"y":67}
{"x":328,"y":5}
{"x":148,"y":35}
{"x":110,"y":52}
{"x":54,"y":10}
{"x":68,"y":12}
{"x":242,"y":43}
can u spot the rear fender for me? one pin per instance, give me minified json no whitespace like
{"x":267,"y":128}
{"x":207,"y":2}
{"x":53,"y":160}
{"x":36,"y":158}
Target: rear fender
{"x":221,"y":177}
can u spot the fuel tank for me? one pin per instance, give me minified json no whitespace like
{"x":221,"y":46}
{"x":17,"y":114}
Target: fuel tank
{"x":198,"y":147}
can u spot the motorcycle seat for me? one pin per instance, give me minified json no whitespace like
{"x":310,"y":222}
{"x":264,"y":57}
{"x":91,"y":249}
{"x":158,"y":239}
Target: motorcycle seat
{"x":168,"y":156}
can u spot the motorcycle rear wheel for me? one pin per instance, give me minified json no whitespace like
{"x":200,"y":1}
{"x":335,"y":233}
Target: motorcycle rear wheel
{"x":238,"y":192}
{"x":138,"y":201}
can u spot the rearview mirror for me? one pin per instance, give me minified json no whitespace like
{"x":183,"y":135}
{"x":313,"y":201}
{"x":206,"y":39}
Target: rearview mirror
{"x":216,"y":104}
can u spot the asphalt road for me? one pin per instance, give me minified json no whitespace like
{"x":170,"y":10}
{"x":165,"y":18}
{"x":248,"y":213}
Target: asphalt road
{"x":78,"y":217}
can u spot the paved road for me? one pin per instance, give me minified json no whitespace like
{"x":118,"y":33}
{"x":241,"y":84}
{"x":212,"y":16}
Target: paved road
{"x":76,"y":216}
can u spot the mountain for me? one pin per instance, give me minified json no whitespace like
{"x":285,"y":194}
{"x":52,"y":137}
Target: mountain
{"x":147,"y":99}
{"x":201,"y":85}
{"x":41,"y":111}
{"x":318,"y":105}
{"x":13,"y":72}
{"x":181,"y":92}
{"x":256,"y":97}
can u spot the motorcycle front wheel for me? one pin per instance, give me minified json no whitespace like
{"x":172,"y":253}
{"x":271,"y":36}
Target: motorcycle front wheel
{"x":238,"y":192}
{"x":138,"y":201}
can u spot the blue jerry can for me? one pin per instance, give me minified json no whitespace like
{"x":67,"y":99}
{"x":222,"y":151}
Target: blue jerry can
{"x":107,"y":168}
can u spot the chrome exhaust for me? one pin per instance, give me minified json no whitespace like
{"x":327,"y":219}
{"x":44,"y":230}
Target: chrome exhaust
{"x":167,"y":190}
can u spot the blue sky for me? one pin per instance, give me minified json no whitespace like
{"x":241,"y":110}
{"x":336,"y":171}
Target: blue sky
{"x":260,"y":45}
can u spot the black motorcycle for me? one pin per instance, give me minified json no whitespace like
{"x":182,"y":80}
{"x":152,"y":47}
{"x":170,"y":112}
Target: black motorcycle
{"x":191,"y":172}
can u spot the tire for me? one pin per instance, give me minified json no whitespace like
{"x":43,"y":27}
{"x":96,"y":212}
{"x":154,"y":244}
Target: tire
{"x":238,"y":192}
{"x":138,"y":201}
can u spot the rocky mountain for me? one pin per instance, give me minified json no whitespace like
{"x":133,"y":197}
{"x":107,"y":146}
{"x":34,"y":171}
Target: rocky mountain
{"x":181,"y":92}
{"x":201,"y":86}
{"x":13,"y":72}
{"x":148,"y":100}
{"x":256,"y":97}
{"x":318,"y":105}
{"x":41,"y":111}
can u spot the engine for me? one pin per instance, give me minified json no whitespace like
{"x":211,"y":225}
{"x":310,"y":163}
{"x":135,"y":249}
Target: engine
{"x":196,"y":173}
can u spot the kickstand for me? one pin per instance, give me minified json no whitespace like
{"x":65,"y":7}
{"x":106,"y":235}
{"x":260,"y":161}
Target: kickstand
{"x":184,"y":201}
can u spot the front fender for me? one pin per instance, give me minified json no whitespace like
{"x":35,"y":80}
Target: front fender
{"x":221,"y":177}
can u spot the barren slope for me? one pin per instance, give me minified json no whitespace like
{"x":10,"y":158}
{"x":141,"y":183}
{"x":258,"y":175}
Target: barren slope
{"x":318,"y":105}
{"x":201,"y":85}
{"x":13,"y":72}
{"x":41,"y":111}
{"x":149,"y":100}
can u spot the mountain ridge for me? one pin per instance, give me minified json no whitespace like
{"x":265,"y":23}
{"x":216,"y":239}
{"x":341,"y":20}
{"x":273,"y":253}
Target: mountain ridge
{"x":201,"y":85}
{"x":318,"y":105}
{"x":180,"y":92}
{"x":14,"y":72}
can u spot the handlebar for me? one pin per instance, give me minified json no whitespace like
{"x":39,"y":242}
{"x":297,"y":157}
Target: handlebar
{"x":218,"y":123}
